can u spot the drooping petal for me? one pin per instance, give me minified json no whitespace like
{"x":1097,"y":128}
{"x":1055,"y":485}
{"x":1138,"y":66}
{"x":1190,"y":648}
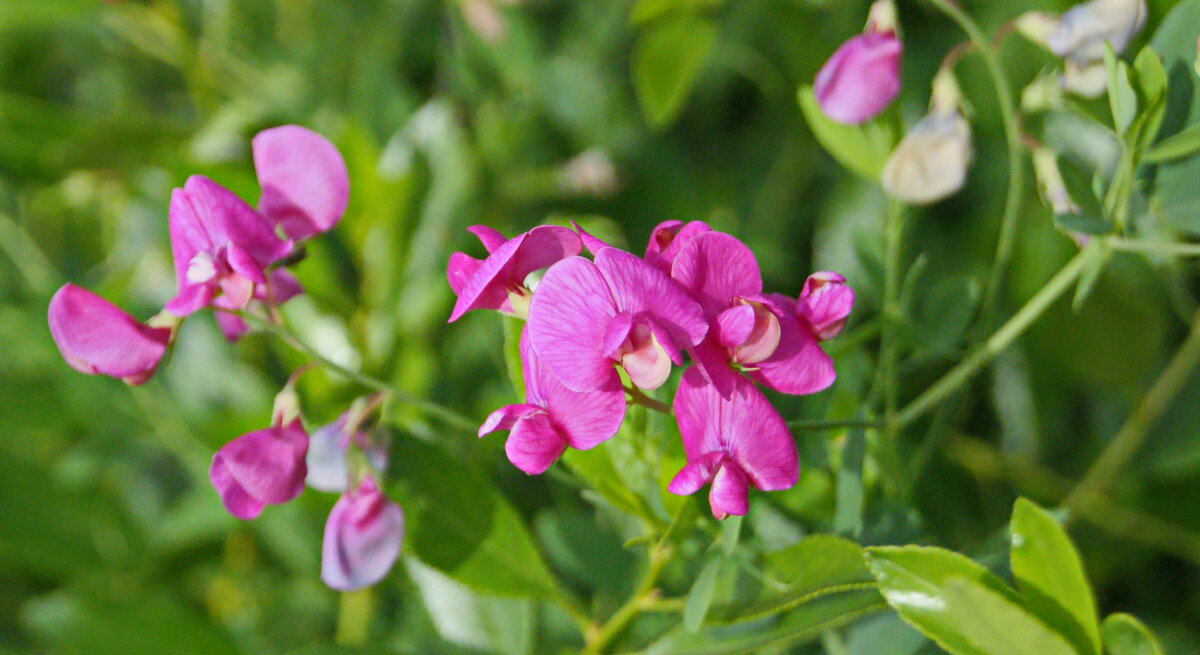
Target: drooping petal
{"x":266,"y":465}
{"x":234,"y":497}
{"x":825,"y":303}
{"x":714,"y":268}
{"x":534,"y":443}
{"x":729,"y":492}
{"x":460,"y":269}
{"x":567,"y":321}
{"x":641,"y":289}
{"x":506,"y":417}
{"x":798,"y":366}
{"x":326,"y":458}
{"x":488,"y":236}
{"x":281,"y":287}
{"x":697,"y":411}
{"x":362,"y":540}
{"x":861,"y":78}
{"x":696,"y":474}
{"x":97,"y":337}
{"x":584,"y":419}
{"x":305,"y":187}
{"x":232,"y":326}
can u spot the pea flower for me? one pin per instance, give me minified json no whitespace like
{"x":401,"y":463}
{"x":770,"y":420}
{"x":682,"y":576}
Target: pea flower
{"x":362,"y":539}
{"x":554,"y":417}
{"x":326,"y":459}
{"x":305,"y":187}
{"x":1081,"y":32}
{"x":500,"y":281}
{"x":98,"y":338}
{"x":752,"y":332}
{"x":221,"y":246}
{"x":732,"y":443}
{"x":587,"y":317}
{"x":825,"y":303}
{"x":667,"y":238}
{"x":863,"y":76}
{"x":931,"y":161}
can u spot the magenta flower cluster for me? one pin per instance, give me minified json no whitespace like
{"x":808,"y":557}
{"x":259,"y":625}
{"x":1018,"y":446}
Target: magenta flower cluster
{"x":614,"y":325}
{"x":233,"y":258}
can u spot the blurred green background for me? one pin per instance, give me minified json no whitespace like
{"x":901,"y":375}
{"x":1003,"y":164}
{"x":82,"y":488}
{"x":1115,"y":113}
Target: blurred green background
{"x":509,"y":114}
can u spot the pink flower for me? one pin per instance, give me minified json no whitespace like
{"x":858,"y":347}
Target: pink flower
{"x":362,"y":538}
{"x":750,"y":331}
{"x":554,"y":417}
{"x":586,"y":317}
{"x":732,"y":443}
{"x":825,"y":303}
{"x":499,"y":282}
{"x":220,"y":245}
{"x":97,"y":338}
{"x":667,"y":238}
{"x":281,"y":286}
{"x":304,"y":183}
{"x":264,"y":467}
{"x":861,"y":78}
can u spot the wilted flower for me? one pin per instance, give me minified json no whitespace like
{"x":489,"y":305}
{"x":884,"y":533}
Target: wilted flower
{"x":220,"y":244}
{"x":586,"y":317}
{"x":264,"y":467}
{"x":499,"y":282}
{"x":304,"y":183}
{"x":863,"y":76}
{"x":98,"y":338}
{"x":362,"y":538}
{"x":931,"y":160}
{"x":733,"y":443}
{"x":1081,"y":32}
{"x":554,"y":417}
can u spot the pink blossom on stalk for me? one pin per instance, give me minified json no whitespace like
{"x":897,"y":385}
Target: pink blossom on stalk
{"x":749,"y":331}
{"x":587,"y":317}
{"x":554,"y":417}
{"x":732,"y":443}
{"x":304,"y":182}
{"x":825,"y":303}
{"x":363,"y":536}
{"x":499,"y":281}
{"x":264,"y":467}
{"x":861,"y":78}
{"x":98,"y":338}
{"x":221,"y":246}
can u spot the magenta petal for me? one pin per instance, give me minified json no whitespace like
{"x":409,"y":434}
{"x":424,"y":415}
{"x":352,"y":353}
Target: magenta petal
{"x":590,"y":242}
{"x":861,"y":78}
{"x":697,"y":410}
{"x":667,"y":238}
{"x":488,"y":287}
{"x":734,"y":325}
{"x":235,"y":499}
{"x":712,"y":360}
{"x":728,"y":494}
{"x":825,"y":303}
{"x":190,"y":299}
{"x":489,"y":237}
{"x":696,"y":474}
{"x":363,"y":536}
{"x":97,"y":337}
{"x":304,"y":182}
{"x":206,"y":217}
{"x":506,"y":417}
{"x":615,"y":334}
{"x":232,"y":326}
{"x":567,"y":321}
{"x":244,"y":264}
{"x":534,"y":444}
{"x":714,"y":268}
{"x":584,"y":418}
{"x":543,"y":246}
{"x":798,"y":366}
{"x":639,"y":288}
{"x":460,"y":269}
{"x":267,"y":465}
{"x":283,"y":286}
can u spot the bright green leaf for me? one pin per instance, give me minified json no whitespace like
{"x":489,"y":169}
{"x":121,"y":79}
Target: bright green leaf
{"x":1122,"y":100}
{"x":1180,"y":144}
{"x":863,"y":149}
{"x":1125,"y":635}
{"x":464,"y":617}
{"x":1051,"y":576}
{"x":666,"y":61}
{"x":695,"y":608}
{"x":994,"y":624}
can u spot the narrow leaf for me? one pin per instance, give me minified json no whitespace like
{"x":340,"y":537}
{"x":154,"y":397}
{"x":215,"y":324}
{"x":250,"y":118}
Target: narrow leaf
{"x":699,"y":599}
{"x":862,"y":149}
{"x":1180,"y":144}
{"x":666,"y":61}
{"x":996,"y":625}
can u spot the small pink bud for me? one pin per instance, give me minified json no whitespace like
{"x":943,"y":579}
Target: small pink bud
{"x":861,"y":78}
{"x":362,"y":538}
{"x":825,"y":303}
{"x":98,"y":338}
{"x":265,"y":467}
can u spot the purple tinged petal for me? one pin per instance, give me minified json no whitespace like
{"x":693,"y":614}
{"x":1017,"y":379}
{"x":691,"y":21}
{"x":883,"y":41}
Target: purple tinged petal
{"x":729,"y":491}
{"x":244,"y":264}
{"x":696,"y":474}
{"x":326,"y":458}
{"x":506,"y":417}
{"x":283,"y":286}
{"x":97,"y":337}
{"x":363,"y":536}
{"x":584,"y":419}
{"x":861,"y":78}
{"x":489,"y":237}
{"x":232,"y":326}
{"x":205,"y":216}
{"x":798,"y":365}
{"x":568,"y":318}
{"x":734,"y":325}
{"x":714,"y":268}
{"x":615,"y":334}
{"x":641,"y":289}
{"x":266,"y":465}
{"x":534,"y":443}
{"x":190,"y":298}
{"x":825,"y":303}
{"x":305,"y":187}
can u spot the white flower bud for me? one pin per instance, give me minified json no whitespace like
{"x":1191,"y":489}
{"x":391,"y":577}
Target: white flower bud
{"x":1083,"y":29}
{"x":1088,"y":80}
{"x":931,"y":160}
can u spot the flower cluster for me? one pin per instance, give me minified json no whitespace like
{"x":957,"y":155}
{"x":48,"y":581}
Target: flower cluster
{"x":615,"y":325}
{"x":233,"y":258}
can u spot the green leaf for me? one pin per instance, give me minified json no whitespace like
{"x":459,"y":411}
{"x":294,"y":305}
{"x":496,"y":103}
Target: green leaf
{"x":666,"y":61}
{"x":459,"y":524}
{"x":848,"y":513}
{"x":1125,"y":635}
{"x":1122,"y":100}
{"x":1180,"y":144}
{"x":1050,"y":575}
{"x":597,"y":468}
{"x":1097,"y":256}
{"x":863,"y":149}
{"x":701,"y":595}
{"x":913,"y":578}
{"x":816,"y":566}
{"x":513,"y":327}
{"x":1151,"y":90}
{"x":464,"y":617}
{"x":805,"y":623}
{"x":996,"y":625}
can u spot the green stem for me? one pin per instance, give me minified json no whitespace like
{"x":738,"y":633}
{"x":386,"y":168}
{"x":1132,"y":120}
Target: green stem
{"x":354,"y":617}
{"x":433,"y":409}
{"x":995,"y":344}
{"x":643,"y":596}
{"x":1133,"y":432}
{"x":888,"y":454}
{"x":638,"y":397}
{"x":1012,"y":137}
{"x":1155,"y":247}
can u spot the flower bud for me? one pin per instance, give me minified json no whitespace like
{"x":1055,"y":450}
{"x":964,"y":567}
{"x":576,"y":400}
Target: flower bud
{"x":931,"y":160}
{"x":362,"y":538}
{"x":98,"y":338}
{"x":863,"y":76}
{"x":1050,"y":182}
{"x":1082,"y":31}
{"x":265,"y":467}
{"x":1086,"y":80}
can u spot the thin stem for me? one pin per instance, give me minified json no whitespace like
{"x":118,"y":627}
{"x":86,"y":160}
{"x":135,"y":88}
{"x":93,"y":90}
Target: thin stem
{"x":642,"y":598}
{"x":995,"y":344}
{"x":1012,"y":136}
{"x":638,"y":397}
{"x":888,"y":354}
{"x":1133,"y":432}
{"x":1155,"y":247}
{"x":433,"y":409}
{"x":354,"y":617}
